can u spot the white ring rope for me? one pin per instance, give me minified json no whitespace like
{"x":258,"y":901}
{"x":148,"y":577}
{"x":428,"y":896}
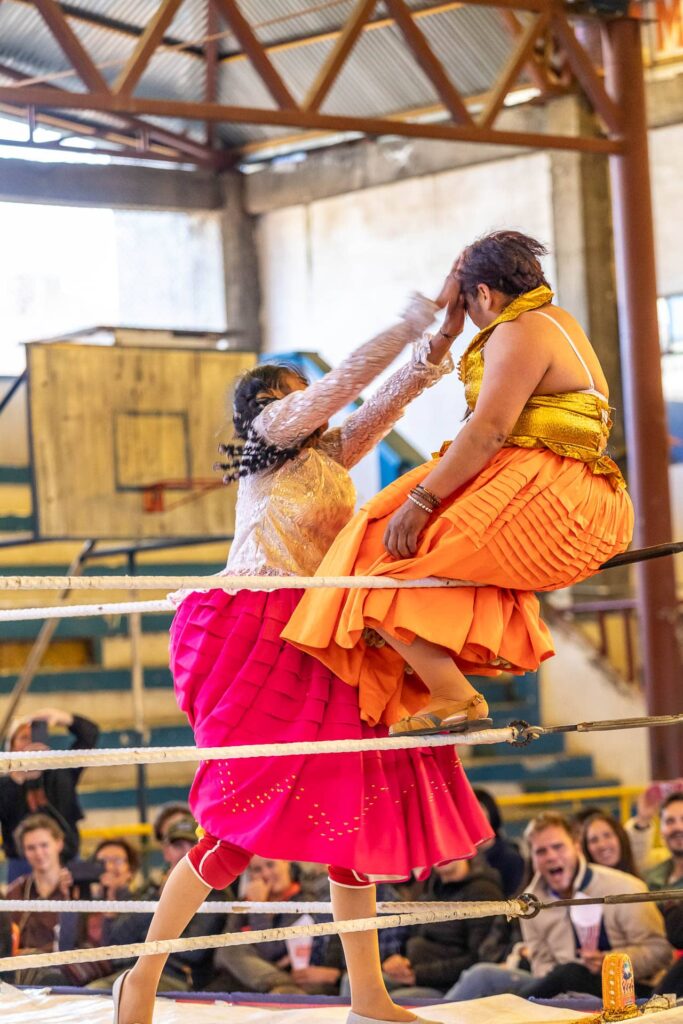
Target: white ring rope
{"x":210,"y":907}
{"x":82,"y":611}
{"x":46,"y":760}
{"x":222,"y":583}
{"x":456,"y":911}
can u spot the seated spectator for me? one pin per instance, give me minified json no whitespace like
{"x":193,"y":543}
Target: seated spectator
{"x":641,"y":829}
{"x":669,"y":873}
{"x":40,"y":840}
{"x":436,"y":953}
{"x":673,"y":979}
{"x":604,"y":841}
{"x":167,"y":815}
{"x":267,"y":967}
{"x":118,"y":863}
{"x":563,"y":958}
{"x":188,"y":971}
{"x":501,"y":853}
{"x":52,"y":793}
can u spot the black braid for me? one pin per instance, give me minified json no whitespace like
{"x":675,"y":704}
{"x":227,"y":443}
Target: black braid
{"x":251,"y":453}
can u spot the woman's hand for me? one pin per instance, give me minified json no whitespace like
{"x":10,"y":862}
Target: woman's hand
{"x":403,"y":532}
{"x":314,"y":975}
{"x":451,"y":297}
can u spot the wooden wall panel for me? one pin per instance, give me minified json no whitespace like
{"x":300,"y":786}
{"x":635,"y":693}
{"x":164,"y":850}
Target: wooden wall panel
{"x":106,"y":421}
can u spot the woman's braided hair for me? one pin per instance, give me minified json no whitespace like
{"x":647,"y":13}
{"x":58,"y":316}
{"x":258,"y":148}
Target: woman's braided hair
{"x":506,"y":261}
{"x":251,"y":453}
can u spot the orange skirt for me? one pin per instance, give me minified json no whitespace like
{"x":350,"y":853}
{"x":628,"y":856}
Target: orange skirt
{"x":530,"y":521}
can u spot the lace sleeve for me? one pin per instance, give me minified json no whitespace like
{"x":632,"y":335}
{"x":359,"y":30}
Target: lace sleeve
{"x":290,"y":420}
{"x":366,"y":427}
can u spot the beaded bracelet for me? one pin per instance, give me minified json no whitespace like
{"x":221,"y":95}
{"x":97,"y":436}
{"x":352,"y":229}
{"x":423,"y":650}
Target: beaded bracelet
{"x":428,"y":495}
{"x":425,"y":508}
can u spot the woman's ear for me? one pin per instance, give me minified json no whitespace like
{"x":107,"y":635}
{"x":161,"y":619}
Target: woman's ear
{"x":484,"y":296}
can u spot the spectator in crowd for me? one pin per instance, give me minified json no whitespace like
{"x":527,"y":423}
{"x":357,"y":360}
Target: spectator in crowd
{"x":189,"y":971}
{"x":268,"y":967}
{"x":40,"y":841}
{"x":52,"y":793}
{"x":641,"y":828}
{"x":673,"y":980}
{"x":114,"y":864}
{"x":502,"y":855}
{"x":668,"y":874}
{"x":167,"y":815}
{"x":604,"y":841}
{"x":565,"y":952}
{"x":435,"y":954}
{"x":5,"y":935}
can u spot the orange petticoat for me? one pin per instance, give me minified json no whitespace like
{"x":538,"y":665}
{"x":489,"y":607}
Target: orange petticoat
{"x":531,"y":520}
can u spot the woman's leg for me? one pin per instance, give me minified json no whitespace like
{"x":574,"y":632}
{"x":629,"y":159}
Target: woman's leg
{"x":353,"y":898}
{"x":211,"y":864}
{"x":437,"y":670}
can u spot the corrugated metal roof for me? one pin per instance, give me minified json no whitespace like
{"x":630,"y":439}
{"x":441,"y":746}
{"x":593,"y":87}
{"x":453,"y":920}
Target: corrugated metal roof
{"x":380,"y":77}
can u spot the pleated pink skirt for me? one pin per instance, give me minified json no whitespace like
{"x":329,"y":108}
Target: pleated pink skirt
{"x":381,"y":813}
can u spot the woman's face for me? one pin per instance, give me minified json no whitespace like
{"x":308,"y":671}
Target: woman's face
{"x":484,"y":305}
{"x":602,"y":844}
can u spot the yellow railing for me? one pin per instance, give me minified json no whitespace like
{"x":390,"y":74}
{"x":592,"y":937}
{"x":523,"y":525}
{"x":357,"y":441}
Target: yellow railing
{"x":533,"y":802}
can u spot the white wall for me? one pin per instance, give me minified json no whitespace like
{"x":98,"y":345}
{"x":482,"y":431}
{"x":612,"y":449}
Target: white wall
{"x":666,"y":161}
{"x":337,"y":270}
{"x":574,"y":688}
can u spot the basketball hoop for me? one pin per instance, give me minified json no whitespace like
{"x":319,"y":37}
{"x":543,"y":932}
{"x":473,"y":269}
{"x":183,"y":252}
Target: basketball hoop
{"x":154,"y":496}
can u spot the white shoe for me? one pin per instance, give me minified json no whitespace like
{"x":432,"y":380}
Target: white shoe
{"x":355,"y":1018}
{"x":116,"y":990}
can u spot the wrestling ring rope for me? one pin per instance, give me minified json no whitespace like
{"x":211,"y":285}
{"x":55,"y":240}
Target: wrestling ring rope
{"x":524,"y":906}
{"x":392,"y":914}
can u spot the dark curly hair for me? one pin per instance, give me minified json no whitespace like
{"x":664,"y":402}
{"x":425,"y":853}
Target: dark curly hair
{"x":254,"y":390}
{"x":506,"y":261}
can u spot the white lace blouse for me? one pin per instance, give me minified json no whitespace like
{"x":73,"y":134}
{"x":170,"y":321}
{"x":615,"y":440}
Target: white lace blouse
{"x":288,"y":517}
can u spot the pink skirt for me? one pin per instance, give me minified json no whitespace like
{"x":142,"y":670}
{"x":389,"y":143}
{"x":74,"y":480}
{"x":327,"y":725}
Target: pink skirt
{"x":381,"y":813}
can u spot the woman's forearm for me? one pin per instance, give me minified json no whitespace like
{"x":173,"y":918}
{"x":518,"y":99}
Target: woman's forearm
{"x":472,"y":449}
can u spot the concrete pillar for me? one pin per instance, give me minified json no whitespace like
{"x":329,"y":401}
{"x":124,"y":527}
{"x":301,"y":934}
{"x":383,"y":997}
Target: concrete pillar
{"x":240,"y":265}
{"x":585,"y":278}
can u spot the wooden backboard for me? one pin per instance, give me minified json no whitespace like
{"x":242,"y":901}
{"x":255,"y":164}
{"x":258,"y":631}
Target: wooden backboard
{"x":107,"y":422}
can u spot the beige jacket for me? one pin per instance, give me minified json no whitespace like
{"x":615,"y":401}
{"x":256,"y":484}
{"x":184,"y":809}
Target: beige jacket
{"x":636,"y":928}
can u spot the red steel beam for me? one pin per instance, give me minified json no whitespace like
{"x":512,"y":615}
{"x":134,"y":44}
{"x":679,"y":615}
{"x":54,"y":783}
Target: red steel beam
{"x":646,"y":424}
{"x":132,"y":105}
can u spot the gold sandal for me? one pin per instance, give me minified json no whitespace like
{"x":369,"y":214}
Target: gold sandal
{"x":453,"y":716}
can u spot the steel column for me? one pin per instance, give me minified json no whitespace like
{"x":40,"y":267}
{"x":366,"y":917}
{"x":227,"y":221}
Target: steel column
{"x":645,"y":414}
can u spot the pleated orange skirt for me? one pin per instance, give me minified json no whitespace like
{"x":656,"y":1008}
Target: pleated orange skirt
{"x":530,"y":521}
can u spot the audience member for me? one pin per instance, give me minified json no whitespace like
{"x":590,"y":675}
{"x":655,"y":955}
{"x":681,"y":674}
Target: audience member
{"x":564,"y":949}
{"x":167,"y":815}
{"x":188,"y":971}
{"x":268,"y":967}
{"x":115,"y":863}
{"x":436,"y":953}
{"x":40,"y":840}
{"x":52,"y":793}
{"x":668,"y":874}
{"x":673,"y":979}
{"x":641,"y":829}
{"x":604,"y":841}
{"x":501,"y":853}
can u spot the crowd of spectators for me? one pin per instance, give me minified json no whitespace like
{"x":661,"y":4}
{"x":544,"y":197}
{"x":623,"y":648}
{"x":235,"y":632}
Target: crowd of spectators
{"x":551,"y":954}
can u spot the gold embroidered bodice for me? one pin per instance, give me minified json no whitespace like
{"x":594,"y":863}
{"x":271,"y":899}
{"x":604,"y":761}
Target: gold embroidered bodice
{"x":575,"y":424}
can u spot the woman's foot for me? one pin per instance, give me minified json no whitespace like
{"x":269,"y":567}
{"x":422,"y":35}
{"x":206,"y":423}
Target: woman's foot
{"x":132,"y":1002}
{"x":393,"y":1014}
{"x":441,"y":716}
